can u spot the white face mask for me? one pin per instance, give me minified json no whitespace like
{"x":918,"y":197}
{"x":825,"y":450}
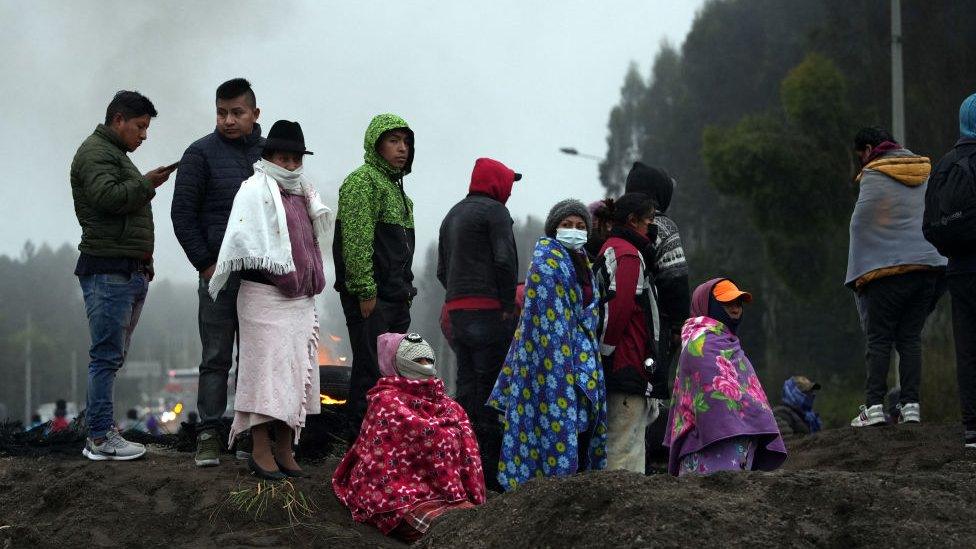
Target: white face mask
{"x":571,"y":238}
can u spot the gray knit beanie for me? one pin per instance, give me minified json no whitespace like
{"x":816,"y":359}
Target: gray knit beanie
{"x":564,"y":209}
{"x":412,"y":348}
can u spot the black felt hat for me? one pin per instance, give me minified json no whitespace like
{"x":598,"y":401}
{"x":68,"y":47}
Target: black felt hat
{"x":286,"y":136}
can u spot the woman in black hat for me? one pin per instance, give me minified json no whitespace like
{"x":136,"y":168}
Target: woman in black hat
{"x":276,"y":237}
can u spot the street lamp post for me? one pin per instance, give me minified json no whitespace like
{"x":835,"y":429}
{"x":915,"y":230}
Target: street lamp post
{"x":897,"y":76}
{"x":571,"y":151}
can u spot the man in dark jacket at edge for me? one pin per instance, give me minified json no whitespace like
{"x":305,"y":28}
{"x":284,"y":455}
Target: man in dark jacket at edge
{"x":670,"y":270}
{"x":112,"y":203}
{"x":961,"y":269}
{"x":477,"y":263}
{"x":373,"y":251}
{"x":668,"y":264}
{"x":210,"y":173}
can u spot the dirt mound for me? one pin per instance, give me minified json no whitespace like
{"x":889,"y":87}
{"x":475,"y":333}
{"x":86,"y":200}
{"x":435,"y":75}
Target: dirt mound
{"x":162,"y":500}
{"x":897,"y":486}
{"x":889,"y":486}
{"x":894,"y":449}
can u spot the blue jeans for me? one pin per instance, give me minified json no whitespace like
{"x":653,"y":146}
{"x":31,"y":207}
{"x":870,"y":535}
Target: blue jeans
{"x":218,"y":333}
{"x":113,"y":303}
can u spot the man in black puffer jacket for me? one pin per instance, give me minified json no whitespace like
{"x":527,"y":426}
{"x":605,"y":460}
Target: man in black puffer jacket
{"x":209,"y":175}
{"x":477,"y":264}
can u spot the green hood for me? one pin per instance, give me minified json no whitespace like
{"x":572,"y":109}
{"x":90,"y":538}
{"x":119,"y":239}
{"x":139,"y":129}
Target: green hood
{"x":383,"y":123}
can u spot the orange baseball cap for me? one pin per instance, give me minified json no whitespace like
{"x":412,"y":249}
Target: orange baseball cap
{"x":727,"y":292}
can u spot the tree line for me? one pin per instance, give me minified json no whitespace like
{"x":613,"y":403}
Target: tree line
{"x":754,"y":115}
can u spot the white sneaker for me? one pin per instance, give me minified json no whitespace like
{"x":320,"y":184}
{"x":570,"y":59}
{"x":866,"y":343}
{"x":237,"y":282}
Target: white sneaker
{"x":113,"y":448}
{"x":869,"y":416}
{"x":909,"y":413}
{"x":969,"y":439}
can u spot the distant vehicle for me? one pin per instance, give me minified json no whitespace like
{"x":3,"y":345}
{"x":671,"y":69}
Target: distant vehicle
{"x":46,"y":411}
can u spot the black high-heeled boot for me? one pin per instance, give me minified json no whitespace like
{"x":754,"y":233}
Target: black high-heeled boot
{"x":261,"y":473}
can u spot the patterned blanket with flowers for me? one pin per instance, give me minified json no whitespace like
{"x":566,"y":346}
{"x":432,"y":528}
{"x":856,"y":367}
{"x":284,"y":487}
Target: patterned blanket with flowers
{"x":551,"y":388}
{"x":718,"y":396}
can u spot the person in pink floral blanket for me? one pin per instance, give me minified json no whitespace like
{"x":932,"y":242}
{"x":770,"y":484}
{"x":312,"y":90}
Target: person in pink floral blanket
{"x":720,"y":419}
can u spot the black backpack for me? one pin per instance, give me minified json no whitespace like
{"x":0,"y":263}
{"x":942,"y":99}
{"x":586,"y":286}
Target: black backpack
{"x":949,"y":221}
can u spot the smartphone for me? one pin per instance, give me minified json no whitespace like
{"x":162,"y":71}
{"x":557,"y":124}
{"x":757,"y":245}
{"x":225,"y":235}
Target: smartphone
{"x":172,"y":166}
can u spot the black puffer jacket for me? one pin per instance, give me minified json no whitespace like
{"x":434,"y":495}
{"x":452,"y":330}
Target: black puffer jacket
{"x":476,"y":255}
{"x":210,"y":173}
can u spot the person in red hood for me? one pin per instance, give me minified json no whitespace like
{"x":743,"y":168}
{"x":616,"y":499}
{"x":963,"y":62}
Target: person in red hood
{"x":477,"y":264}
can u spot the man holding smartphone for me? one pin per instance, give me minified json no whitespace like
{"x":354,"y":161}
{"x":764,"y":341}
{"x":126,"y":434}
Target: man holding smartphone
{"x":210,"y":173}
{"x":112,"y":203}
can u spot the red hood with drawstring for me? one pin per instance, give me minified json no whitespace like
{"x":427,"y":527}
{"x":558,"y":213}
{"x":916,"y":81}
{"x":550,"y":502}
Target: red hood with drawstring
{"x":492,"y":178}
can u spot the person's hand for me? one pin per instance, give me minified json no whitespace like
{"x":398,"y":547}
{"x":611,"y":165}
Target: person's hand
{"x":366,"y":307}
{"x":159,"y":176}
{"x":207,"y":273}
{"x":150,"y":272}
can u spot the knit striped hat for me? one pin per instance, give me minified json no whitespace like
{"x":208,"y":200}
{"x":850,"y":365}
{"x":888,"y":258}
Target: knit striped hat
{"x":967,"y":117}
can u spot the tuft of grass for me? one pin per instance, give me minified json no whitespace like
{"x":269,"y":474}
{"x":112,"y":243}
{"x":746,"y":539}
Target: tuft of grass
{"x":268,"y":499}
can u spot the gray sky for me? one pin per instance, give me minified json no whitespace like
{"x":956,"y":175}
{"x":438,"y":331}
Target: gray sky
{"x":512,"y":80}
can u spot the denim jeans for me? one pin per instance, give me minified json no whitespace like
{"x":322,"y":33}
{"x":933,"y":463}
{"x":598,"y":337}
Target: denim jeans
{"x":218,"y":332}
{"x":482,"y":339}
{"x":113,"y":303}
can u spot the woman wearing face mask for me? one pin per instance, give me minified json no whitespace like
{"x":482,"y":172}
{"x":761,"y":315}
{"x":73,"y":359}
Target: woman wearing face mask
{"x":276,"y":237}
{"x":550,"y":389}
{"x":416,"y":457}
{"x":720,"y":419}
{"x":631,"y":330}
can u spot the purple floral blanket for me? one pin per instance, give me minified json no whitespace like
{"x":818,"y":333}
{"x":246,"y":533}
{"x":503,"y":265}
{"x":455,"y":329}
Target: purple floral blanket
{"x":717,"y":396}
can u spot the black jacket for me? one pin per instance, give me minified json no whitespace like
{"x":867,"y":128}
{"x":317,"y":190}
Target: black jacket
{"x":668,"y":264}
{"x":789,"y":421}
{"x":209,"y":175}
{"x":962,"y":260}
{"x":476,"y":255}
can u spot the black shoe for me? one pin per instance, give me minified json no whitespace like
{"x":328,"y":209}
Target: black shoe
{"x":261,"y":473}
{"x":294,"y":473}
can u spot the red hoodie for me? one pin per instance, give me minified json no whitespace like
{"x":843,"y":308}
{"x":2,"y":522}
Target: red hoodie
{"x":493,"y":179}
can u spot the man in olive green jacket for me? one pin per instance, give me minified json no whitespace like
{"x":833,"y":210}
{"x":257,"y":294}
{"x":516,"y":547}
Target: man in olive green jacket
{"x":373,"y":250}
{"x":111,"y":200}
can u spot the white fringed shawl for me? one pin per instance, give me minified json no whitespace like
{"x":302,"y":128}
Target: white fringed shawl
{"x":257,"y":230}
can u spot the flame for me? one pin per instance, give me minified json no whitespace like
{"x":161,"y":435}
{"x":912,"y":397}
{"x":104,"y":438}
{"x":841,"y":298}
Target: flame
{"x":329,"y":401}
{"x":325,"y":355}
{"x":327,"y":351}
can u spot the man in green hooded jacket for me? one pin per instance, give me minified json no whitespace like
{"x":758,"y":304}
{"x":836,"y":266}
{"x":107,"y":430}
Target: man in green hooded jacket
{"x":373,"y":250}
